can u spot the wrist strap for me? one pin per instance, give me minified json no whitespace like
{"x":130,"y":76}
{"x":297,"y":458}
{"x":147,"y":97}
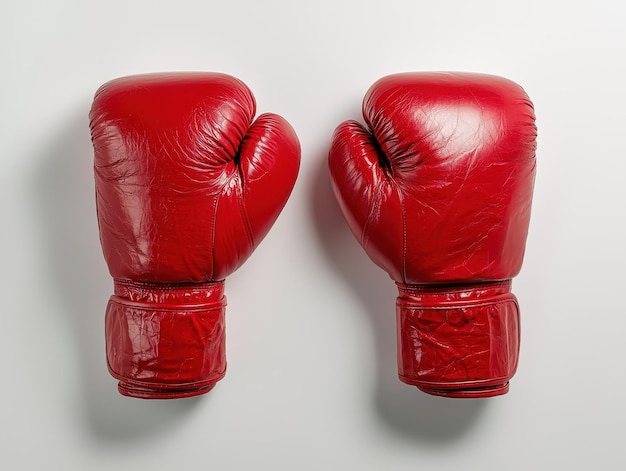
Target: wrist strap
{"x":458,"y":341}
{"x":166,"y":340}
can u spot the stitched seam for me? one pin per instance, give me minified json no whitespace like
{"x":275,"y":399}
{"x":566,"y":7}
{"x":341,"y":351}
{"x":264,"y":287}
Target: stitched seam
{"x":163,"y":308}
{"x":213,"y":231}
{"x":451,"y":384}
{"x":375,"y":205}
{"x":243,"y":212}
{"x":166,"y":286}
{"x":169,"y":386}
{"x":451,"y":307}
{"x":456,"y":288}
{"x":404,"y":247}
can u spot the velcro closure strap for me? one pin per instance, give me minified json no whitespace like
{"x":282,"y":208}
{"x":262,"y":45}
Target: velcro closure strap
{"x":457,"y":338}
{"x":166,"y":338}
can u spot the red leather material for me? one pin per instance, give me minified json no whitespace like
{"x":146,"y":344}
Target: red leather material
{"x":188,"y":184}
{"x":164,"y":340}
{"x":437,"y":188}
{"x":478,"y":328}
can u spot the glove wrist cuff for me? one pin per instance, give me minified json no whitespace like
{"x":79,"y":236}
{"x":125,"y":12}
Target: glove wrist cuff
{"x":166,"y":340}
{"x":458,"y":341}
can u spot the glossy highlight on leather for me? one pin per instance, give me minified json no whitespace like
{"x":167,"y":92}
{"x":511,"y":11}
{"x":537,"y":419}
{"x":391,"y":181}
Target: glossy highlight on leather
{"x":188,"y":183}
{"x":437,"y":188}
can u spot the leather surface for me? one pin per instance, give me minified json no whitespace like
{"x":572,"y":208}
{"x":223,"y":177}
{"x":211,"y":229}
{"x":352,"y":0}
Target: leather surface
{"x":437,"y":187}
{"x":188,"y":183}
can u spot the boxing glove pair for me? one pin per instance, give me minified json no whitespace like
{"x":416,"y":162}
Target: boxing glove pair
{"x":437,"y":189}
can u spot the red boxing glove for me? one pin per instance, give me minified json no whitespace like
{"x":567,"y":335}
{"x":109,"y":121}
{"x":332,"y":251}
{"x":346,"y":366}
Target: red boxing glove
{"x":187,"y":185}
{"x":438,"y":192}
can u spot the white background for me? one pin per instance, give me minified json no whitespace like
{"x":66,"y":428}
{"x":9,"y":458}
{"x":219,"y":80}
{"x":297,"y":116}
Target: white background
{"x":311,"y":337}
